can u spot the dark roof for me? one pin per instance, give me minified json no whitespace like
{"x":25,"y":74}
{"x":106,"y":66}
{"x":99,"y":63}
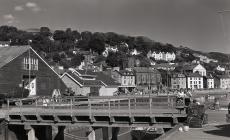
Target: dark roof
{"x":86,"y":72}
{"x":164,"y":65}
{"x":99,"y":79}
{"x":7,"y":54}
{"x":5,"y":42}
{"x":223,"y":76}
{"x":85,"y":82}
{"x":189,"y":67}
{"x":125,"y":72}
{"x":178,"y":75}
{"x":145,"y":70}
{"x":193,"y":75}
{"x":109,"y":81}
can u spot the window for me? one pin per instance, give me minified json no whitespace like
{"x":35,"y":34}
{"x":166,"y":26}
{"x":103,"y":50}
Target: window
{"x":30,"y":64}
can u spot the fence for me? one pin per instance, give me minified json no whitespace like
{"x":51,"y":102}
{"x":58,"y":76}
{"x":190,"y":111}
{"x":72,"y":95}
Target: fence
{"x":145,"y":105}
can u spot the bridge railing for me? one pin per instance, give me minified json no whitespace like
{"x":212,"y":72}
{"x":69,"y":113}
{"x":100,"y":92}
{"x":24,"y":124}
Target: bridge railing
{"x":96,"y":105}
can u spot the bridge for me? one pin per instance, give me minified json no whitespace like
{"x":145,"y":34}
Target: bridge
{"x":95,"y":112}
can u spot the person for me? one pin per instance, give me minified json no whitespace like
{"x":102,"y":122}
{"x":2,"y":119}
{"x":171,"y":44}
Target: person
{"x":216,"y":104}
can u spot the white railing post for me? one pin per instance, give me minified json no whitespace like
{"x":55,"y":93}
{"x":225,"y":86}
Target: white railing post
{"x":150,"y":106}
{"x":36,"y":105}
{"x":53,"y":103}
{"x":109,"y":108}
{"x":129,"y":106}
{"x":8,"y":109}
{"x":71,"y":107}
{"x":20,"y":106}
{"x":90,"y":108}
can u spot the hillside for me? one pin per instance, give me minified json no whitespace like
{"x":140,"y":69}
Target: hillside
{"x":57,"y":46}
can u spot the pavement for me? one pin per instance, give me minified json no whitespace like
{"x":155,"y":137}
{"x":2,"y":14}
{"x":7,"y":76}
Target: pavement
{"x":216,"y":129}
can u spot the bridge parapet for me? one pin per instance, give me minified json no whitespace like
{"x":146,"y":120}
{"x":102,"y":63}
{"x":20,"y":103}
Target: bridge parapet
{"x":126,"y":111}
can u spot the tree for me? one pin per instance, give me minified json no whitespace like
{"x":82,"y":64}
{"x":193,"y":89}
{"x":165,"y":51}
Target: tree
{"x":56,"y":58}
{"x":76,"y":35}
{"x":77,"y":59}
{"x":45,"y":31}
{"x":86,"y":35}
{"x":97,"y":45}
{"x":59,"y":35}
{"x":112,"y":60}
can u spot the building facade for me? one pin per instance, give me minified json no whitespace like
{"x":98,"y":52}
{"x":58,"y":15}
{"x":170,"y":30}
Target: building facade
{"x":89,"y":83}
{"x":210,"y":81}
{"x":224,"y":81}
{"x":178,"y":81}
{"x":194,"y":81}
{"x":126,"y":78}
{"x":167,"y":56}
{"x":21,"y":66}
{"x":193,"y":68}
{"x":147,"y":78}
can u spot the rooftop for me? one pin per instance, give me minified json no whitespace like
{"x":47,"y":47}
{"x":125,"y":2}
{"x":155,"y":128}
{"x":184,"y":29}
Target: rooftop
{"x":7,"y":54}
{"x":126,"y":72}
{"x":193,"y":75}
{"x":84,"y":82}
{"x":144,"y":70}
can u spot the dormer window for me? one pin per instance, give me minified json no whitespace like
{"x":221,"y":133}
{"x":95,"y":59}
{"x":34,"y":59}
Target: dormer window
{"x":30,"y":64}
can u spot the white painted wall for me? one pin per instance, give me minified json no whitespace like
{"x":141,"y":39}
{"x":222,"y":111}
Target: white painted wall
{"x":210,"y":83}
{"x":107,"y":91}
{"x":74,"y":86}
{"x":200,"y":69}
{"x":195,"y":82}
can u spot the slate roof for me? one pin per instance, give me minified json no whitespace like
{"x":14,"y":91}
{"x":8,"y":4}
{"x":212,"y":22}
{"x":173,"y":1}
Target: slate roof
{"x":144,"y":70}
{"x":189,"y":67}
{"x":193,"y":75}
{"x":109,"y":81}
{"x":100,"y":79}
{"x":126,"y":72}
{"x":86,"y":72}
{"x":85,"y":82}
{"x":223,"y":76}
{"x":7,"y":54}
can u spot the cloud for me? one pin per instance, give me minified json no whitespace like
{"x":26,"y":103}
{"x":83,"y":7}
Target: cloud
{"x":9,"y":19}
{"x":18,"y":8}
{"x":33,"y":6}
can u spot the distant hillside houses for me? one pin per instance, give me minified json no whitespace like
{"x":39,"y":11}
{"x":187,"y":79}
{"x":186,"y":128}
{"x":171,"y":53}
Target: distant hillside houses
{"x":205,"y":59}
{"x":135,"y":52}
{"x":4,"y":43}
{"x":167,"y":56}
{"x":219,"y":68}
{"x":108,"y":49}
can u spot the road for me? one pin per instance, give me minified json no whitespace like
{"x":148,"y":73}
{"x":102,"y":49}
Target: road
{"x":216,"y":129}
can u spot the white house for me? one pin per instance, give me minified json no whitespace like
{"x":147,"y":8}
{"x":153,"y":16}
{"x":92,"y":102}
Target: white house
{"x":194,"y":81}
{"x":109,"y":49}
{"x":224,"y":81}
{"x":195,"y":68}
{"x":210,"y":81}
{"x":219,"y":68}
{"x":135,"y":52}
{"x":162,"y":55}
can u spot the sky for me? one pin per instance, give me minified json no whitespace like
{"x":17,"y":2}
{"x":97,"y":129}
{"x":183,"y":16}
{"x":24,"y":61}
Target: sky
{"x":198,"y":24}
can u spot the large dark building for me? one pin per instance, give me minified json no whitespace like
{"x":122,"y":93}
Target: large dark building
{"x":21,"y":66}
